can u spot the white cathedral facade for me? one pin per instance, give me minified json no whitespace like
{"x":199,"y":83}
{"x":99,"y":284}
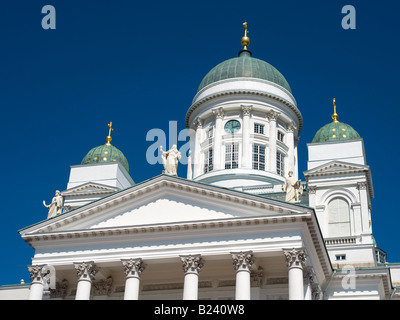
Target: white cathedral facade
{"x":227,"y":230}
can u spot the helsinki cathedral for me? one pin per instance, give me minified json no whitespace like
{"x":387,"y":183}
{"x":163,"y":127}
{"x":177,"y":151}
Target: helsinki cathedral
{"x":241,"y":225}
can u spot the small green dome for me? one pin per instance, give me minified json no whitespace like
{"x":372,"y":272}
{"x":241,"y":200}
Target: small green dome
{"x":105,"y":153}
{"x":335,"y":131}
{"x":244,"y":66}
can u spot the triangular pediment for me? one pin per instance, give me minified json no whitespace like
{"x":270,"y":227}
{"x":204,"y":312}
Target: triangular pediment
{"x":336,"y":167}
{"x":160,"y":201}
{"x":89,"y":188}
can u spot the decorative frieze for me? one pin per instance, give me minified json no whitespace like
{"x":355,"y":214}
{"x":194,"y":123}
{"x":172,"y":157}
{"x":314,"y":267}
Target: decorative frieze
{"x":102,"y":287}
{"x":61,"y":289}
{"x":192,"y":263}
{"x":133,"y":267}
{"x":295,"y":258}
{"x":86,"y":270}
{"x":257,"y":277}
{"x":242,"y":260}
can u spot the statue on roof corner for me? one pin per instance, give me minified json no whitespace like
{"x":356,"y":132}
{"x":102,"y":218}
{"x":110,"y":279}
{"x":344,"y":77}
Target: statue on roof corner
{"x":55,"y":206}
{"x":293,"y":189}
{"x":170,"y":160}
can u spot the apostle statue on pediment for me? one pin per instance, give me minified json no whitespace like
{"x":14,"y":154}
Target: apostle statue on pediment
{"x":170,"y":160}
{"x":293,"y":188}
{"x":55,"y":206}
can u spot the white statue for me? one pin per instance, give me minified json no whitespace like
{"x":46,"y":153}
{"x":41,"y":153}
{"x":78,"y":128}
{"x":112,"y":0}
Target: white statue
{"x":293,"y":188}
{"x":170,"y":160}
{"x":55,"y":206}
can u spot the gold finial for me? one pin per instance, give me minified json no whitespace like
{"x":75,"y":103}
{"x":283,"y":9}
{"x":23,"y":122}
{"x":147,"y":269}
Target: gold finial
{"x":109,"y":134}
{"x":245,"y":40}
{"x":335,"y":116}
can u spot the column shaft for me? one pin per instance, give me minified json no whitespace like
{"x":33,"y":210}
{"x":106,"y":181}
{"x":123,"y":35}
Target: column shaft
{"x":290,"y":144}
{"x":242,"y":262}
{"x":246,"y":151}
{"x":272,"y":116}
{"x":191,"y":286}
{"x":219,"y":115}
{"x":295,"y":261}
{"x":196,"y":159}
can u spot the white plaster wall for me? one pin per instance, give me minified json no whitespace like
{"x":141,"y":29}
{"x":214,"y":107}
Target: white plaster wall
{"x":111,"y":174}
{"x":346,"y":151}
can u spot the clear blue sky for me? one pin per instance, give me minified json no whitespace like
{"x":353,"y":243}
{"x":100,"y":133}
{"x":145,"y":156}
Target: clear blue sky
{"x":138,"y":64}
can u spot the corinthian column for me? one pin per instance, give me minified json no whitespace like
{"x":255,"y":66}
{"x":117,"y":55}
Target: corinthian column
{"x":272,"y":117}
{"x":290,"y":143}
{"x":191,"y":267}
{"x":38,"y":273}
{"x":296,"y":262}
{"x":219,"y":115}
{"x":242,"y":262}
{"x":85,"y":272}
{"x":196,"y":159}
{"x":246,"y":154}
{"x":133,"y":270}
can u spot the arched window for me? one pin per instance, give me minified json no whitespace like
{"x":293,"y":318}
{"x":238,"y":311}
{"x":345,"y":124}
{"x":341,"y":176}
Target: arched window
{"x":339,"y":218}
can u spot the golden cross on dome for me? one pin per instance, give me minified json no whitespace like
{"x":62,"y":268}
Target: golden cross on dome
{"x":245,"y":29}
{"x":335,"y":116}
{"x":245,"y":40}
{"x":109,"y":134}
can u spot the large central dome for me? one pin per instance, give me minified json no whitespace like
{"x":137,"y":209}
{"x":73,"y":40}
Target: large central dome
{"x":244,"y":66}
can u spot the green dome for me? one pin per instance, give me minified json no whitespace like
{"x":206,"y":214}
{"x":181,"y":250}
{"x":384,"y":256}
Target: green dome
{"x":244,"y":66}
{"x":335,"y":131}
{"x":105,"y":153}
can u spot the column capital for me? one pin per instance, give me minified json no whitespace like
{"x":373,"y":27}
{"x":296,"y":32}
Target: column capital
{"x":198,"y":122}
{"x":38,"y":273}
{"x":291,"y":127}
{"x":362,"y":185}
{"x":219,"y":113}
{"x":273,"y":115}
{"x":86,"y":270}
{"x":246,"y":109}
{"x":242,"y":261}
{"x":312,"y":189}
{"x":295,"y":258}
{"x":192,"y":263}
{"x":133,"y":267}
